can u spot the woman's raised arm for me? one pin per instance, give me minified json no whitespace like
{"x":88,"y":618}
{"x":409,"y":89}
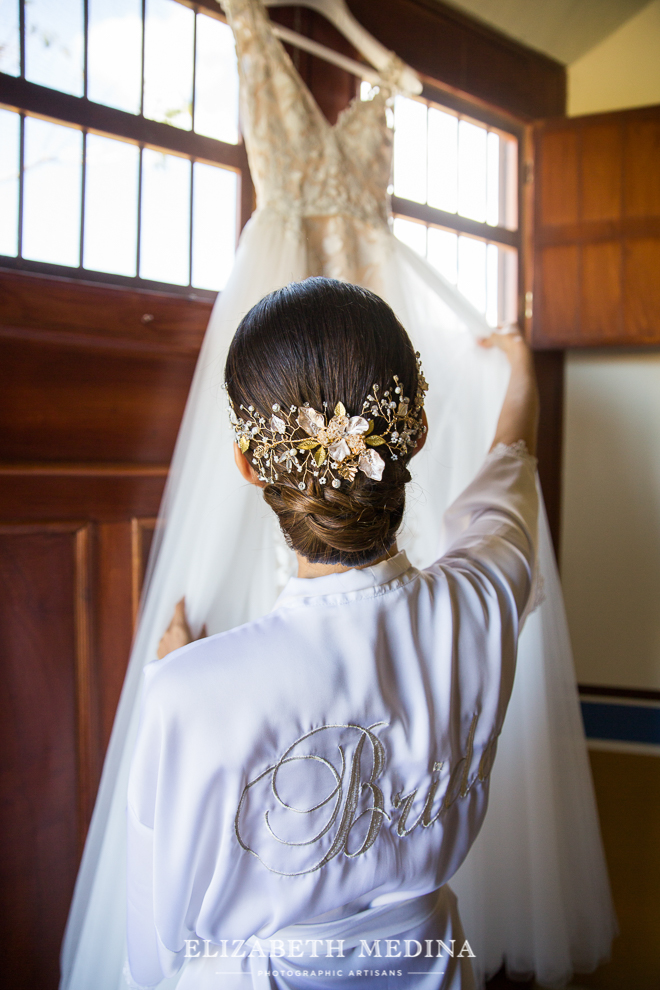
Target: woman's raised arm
{"x":519,"y":417}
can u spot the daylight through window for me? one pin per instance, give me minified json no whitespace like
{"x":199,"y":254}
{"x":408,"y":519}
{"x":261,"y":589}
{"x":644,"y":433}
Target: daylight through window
{"x":455,"y":201}
{"x":95,"y":172}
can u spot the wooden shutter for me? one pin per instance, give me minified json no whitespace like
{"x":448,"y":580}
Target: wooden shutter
{"x":597,"y":230}
{"x":94,"y":383}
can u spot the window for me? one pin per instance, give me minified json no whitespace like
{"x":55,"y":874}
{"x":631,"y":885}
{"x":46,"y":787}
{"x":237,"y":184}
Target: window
{"x":455,"y":200}
{"x":120,"y":155}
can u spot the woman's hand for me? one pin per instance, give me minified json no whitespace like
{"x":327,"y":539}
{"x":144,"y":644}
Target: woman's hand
{"x":178,"y":632}
{"x":508,"y":339}
{"x":520,"y":410}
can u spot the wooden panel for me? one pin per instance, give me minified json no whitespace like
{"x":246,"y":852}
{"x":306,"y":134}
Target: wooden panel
{"x":559,"y":178}
{"x":40,"y":594}
{"x":114,"y":617}
{"x":92,"y":399}
{"x":642,"y":290}
{"x":452,"y":48}
{"x":89,"y":764}
{"x":600,"y":310}
{"x":609,"y":230}
{"x":600,"y":173}
{"x":549,"y":366}
{"x":122,"y":556}
{"x":142,"y":534}
{"x":559,"y":280}
{"x":642,"y":167}
{"x":74,"y":491}
{"x":64,"y":403}
{"x":332,"y":87}
{"x":588,"y":232}
{"x":101,"y":316}
{"x":496,"y":71}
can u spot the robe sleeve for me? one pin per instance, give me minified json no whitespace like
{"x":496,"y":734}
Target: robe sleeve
{"x":489,"y":571}
{"x":493,"y":525}
{"x":144,"y":967}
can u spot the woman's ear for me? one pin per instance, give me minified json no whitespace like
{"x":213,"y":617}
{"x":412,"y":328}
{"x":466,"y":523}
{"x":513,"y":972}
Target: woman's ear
{"x":246,"y":469}
{"x":421,"y":440}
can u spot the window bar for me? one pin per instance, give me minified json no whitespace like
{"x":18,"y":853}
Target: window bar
{"x":297,"y":26}
{"x":192,"y":169}
{"x":504,"y":258}
{"x":21,"y":163}
{"x":190,"y":225}
{"x":144,"y":31}
{"x":458,"y":182}
{"x":85,"y":51}
{"x":503,"y":213}
{"x":426,"y":195}
{"x":83,"y":183}
{"x":138,"y":238}
{"x":486,"y":196}
{"x":501,"y":286}
{"x":21,"y":19}
{"x":194,"y":78}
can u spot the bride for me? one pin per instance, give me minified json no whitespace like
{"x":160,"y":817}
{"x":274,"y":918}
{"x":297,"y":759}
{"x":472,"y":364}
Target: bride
{"x":533,"y":892}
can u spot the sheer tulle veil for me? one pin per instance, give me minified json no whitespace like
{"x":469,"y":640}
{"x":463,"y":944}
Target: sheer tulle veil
{"x":533,"y":890}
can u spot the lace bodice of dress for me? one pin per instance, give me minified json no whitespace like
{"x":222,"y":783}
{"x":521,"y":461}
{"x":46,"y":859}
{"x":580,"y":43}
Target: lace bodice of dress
{"x":301,"y":165}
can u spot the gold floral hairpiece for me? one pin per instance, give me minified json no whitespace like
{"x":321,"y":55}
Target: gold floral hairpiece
{"x":305,"y":442}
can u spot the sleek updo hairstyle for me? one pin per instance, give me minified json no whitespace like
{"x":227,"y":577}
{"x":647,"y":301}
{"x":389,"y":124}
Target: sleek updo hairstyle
{"x":323,"y":341}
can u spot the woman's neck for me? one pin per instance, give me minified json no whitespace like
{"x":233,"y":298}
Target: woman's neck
{"x":308,"y":570}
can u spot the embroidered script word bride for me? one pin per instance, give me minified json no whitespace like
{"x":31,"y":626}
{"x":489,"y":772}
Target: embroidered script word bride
{"x":313,"y":808}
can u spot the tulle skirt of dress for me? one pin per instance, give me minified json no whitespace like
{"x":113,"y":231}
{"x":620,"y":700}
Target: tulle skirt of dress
{"x":533,"y":891}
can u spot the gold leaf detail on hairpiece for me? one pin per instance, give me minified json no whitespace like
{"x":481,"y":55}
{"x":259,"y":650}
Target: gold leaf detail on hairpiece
{"x":308,"y":444}
{"x":375,"y":440}
{"x":371,"y":427}
{"x":347,"y":471}
{"x":319,"y":456}
{"x":244,"y":444}
{"x":340,"y":409}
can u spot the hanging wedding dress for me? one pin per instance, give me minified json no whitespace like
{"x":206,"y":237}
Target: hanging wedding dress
{"x":533,"y":891}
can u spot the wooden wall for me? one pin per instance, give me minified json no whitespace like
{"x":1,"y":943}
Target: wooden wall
{"x":597,"y":230}
{"x":94,"y":382}
{"x":451,"y":48}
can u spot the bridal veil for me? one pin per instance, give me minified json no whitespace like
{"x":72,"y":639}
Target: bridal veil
{"x":533,"y":891}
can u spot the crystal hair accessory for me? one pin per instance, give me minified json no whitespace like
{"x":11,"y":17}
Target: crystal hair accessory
{"x":310,"y":444}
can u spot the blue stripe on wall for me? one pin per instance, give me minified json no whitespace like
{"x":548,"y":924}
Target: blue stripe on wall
{"x":625,"y":723}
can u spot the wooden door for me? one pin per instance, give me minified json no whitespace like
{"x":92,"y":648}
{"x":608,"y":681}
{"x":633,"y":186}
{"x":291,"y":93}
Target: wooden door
{"x":597,"y":230}
{"x":94,"y":381}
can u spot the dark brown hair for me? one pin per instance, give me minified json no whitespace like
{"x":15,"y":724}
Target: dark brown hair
{"x":319,"y":341}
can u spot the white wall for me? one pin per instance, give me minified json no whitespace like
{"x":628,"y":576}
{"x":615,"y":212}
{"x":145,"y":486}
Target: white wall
{"x":611,"y":480}
{"x":611,"y":517}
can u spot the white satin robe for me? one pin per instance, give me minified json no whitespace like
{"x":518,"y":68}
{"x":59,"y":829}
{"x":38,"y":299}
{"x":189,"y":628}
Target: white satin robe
{"x":332,"y":756}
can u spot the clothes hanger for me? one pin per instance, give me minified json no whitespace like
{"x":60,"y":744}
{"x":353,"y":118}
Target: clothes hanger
{"x":338,"y":14}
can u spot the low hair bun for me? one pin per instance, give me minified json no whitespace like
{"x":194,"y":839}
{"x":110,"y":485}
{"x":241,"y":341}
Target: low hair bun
{"x":321,"y":342}
{"x":349,"y":526}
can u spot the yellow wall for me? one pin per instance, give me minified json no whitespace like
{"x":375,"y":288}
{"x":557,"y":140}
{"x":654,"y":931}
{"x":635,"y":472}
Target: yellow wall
{"x":622,"y":71}
{"x":611,"y":544}
{"x":611,"y":480}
